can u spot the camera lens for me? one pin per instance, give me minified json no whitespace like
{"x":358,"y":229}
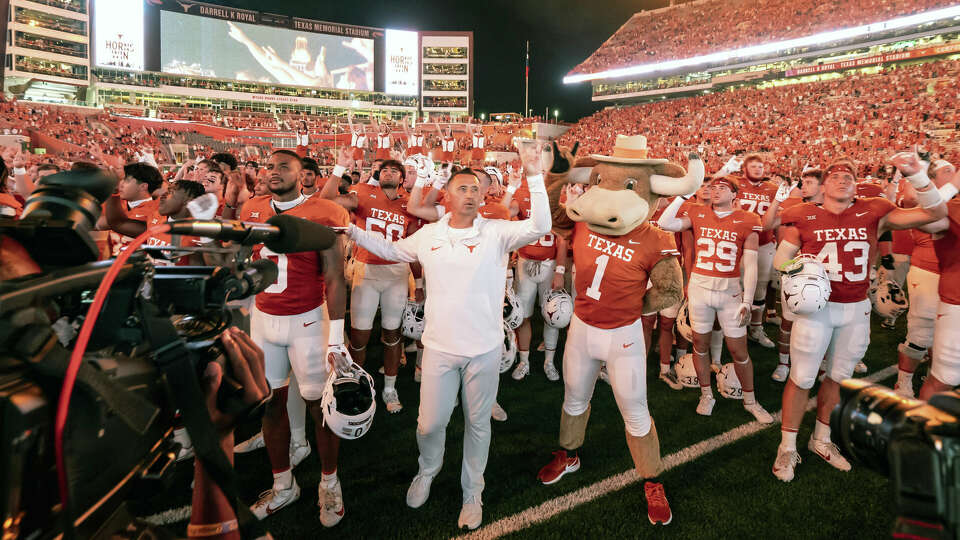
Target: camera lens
{"x":71,"y":196}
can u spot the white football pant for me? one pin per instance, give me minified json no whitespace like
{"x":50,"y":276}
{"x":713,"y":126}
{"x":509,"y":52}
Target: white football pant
{"x":383,"y":285}
{"x":922,"y":287}
{"x":837,"y":335}
{"x":297,"y":342}
{"x":710,"y":298}
{"x":945,"y":363}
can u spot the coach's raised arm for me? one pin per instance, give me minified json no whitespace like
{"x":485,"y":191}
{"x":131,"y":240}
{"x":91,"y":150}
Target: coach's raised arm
{"x":464,"y":258}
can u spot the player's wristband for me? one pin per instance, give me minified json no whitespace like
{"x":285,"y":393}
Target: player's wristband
{"x":418,"y":283}
{"x":212,"y":529}
{"x":338,"y":171}
{"x":919,"y":180}
{"x":560,"y":269}
{"x":948,"y":191}
{"x":511,"y":189}
{"x":19,"y":171}
{"x":929,"y":198}
{"x":336,"y":332}
{"x":535,"y":184}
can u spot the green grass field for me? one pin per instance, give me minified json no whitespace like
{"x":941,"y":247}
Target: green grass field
{"x":728,"y":493}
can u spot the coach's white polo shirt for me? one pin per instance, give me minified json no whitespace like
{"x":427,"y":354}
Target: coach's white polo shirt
{"x":464,"y":272}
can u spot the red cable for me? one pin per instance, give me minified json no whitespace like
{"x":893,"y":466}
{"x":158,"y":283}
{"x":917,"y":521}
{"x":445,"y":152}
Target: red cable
{"x":63,"y":405}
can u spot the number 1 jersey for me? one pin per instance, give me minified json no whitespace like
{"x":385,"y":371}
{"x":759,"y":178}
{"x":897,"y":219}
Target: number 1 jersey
{"x":299,"y":287}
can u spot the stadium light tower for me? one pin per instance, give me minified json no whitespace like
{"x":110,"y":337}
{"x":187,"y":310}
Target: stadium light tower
{"x":556,"y":113}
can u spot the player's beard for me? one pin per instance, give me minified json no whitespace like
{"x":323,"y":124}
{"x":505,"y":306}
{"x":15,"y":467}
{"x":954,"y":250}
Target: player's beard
{"x":283,"y":189}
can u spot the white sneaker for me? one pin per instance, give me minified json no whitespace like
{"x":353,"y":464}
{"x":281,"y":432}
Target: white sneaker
{"x":249,"y":445}
{"x":781,"y":373}
{"x":758,"y":412}
{"x":860,"y":368}
{"x":757,"y":334}
{"x":380,"y":371}
{"x":785,"y":463}
{"x":830,"y":453}
{"x":330,"y":502}
{"x":471,"y":514}
{"x":298,"y":452}
{"x":904,"y":391}
{"x":419,"y":490}
{"x":705,"y":407}
{"x":551,"y":371}
{"x":417,"y":374}
{"x":670,"y":377}
{"x":519,"y":372}
{"x":274,"y":499}
{"x":391,"y":400}
{"x":498,"y":413}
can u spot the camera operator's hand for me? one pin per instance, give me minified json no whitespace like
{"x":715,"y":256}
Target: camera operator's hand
{"x":246,"y":361}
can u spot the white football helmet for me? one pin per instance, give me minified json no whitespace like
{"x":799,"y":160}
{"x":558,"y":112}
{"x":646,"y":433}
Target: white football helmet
{"x":349,"y":402}
{"x":686,"y":372}
{"x":411,"y":324}
{"x":728,"y":383}
{"x":509,"y":354}
{"x":805,"y":285}
{"x":890,"y":302}
{"x":557,"y":309}
{"x":512,"y":310}
{"x":683,"y":322}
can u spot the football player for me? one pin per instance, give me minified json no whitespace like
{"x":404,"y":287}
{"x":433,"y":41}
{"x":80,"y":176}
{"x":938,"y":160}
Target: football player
{"x":810,"y":191}
{"x":725,"y":242}
{"x":139,"y":181}
{"x":377,"y":282}
{"x":288,"y":322}
{"x":842,"y":234}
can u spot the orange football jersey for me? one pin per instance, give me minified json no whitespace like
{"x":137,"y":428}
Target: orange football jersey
{"x":948,"y":256}
{"x":844,"y":243}
{"x":718,"y":241}
{"x":756,"y":198}
{"x":869,"y":189}
{"x":902,"y":242}
{"x":299,"y":286}
{"x":612,"y":272}
{"x":924,"y":256}
{"x":545,"y":248}
{"x":142,"y":212}
{"x":379,"y":214}
{"x":495,"y":211}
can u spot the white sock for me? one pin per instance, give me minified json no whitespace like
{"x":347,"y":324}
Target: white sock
{"x":905,"y":379}
{"x":785,"y":358}
{"x":664,"y":368}
{"x":328,"y":480}
{"x":283,"y":479}
{"x":716,"y":345}
{"x":298,"y":436}
{"x":706,"y":391}
{"x":524,"y":356}
{"x":788,"y":440}
{"x":389,"y":381}
{"x":548,"y":355}
{"x":821,"y":431}
{"x":749,"y":398}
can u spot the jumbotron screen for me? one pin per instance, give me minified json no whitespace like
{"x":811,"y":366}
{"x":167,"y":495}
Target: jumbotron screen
{"x":205,"y":40}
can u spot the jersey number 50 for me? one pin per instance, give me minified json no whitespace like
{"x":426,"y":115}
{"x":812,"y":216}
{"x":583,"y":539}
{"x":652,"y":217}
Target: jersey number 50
{"x":390,"y":231}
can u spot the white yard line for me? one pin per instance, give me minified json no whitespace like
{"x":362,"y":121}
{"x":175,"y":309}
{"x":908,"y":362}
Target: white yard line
{"x":563,"y":503}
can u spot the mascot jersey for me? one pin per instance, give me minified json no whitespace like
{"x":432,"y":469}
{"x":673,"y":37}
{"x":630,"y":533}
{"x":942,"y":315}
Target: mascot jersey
{"x":299,"y":287}
{"x":612,"y":272}
{"x":843,"y":243}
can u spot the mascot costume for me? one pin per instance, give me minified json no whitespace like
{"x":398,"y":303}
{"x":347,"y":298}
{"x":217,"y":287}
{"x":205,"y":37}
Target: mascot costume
{"x":625,"y":268}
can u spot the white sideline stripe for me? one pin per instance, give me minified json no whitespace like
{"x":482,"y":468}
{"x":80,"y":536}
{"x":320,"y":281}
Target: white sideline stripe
{"x":563,"y":503}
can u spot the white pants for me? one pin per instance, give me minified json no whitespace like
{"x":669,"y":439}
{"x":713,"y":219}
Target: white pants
{"x":710,"y":298}
{"x":586,"y":350}
{"x":922,"y":287}
{"x":383,"y":285}
{"x":297,"y":342}
{"x":528,"y":288}
{"x":765,"y":255}
{"x":476,"y":378}
{"x":945,"y":363}
{"x":837,"y":335}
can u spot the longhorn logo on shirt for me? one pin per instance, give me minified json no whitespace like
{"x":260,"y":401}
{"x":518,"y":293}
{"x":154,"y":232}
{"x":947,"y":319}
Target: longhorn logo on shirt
{"x":471,"y":247}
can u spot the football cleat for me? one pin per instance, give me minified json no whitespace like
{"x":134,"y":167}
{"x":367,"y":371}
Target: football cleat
{"x":705,"y":406}
{"x":903,"y":391}
{"x":391,"y":400}
{"x":330,"y":502}
{"x":670,"y":377}
{"x":758,"y":412}
{"x":249,"y":445}
{"x":561,"y":465}
{"x":860,"y":367}
{"x":781,"y":372}
{"x":419,"y":490}
{"x":830,"y":453}
{"x":756,"y":334}
{"x":550,"y":371}
{"x":274,"y":499}
{"x":786,"y":462}
{"x":498,"y":413}
{"x":658,"y":508}
{"x":521,"y":371}
{"x":471,"y":514}
{"x":298,"y":453}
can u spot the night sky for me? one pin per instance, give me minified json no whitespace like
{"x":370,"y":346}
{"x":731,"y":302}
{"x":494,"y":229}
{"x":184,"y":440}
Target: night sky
{"x":562,"y":33}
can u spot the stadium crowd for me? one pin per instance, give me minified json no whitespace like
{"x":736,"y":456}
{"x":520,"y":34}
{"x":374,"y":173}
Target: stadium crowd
{"x":704,"y":27}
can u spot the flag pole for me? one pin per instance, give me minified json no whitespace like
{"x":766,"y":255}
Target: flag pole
{"x":526,"y":90}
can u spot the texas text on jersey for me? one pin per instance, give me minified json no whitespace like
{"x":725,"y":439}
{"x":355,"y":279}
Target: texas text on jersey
{"x":299,"y":287}
{"x":718,"y":241}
